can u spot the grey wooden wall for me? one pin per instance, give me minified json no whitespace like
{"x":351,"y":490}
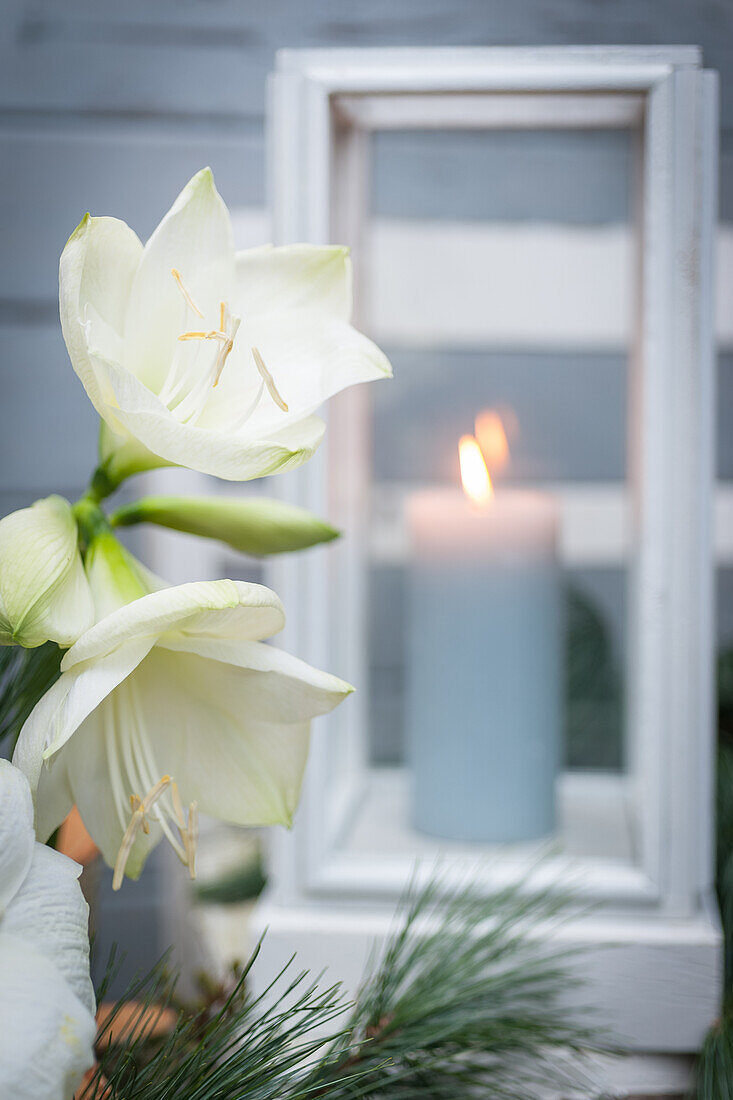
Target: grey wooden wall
{"x":110,"y":107}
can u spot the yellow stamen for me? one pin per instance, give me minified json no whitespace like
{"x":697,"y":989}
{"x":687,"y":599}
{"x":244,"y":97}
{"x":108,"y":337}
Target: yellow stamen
{"x":225,"y":334}
{"x":193,"y":836}
{"x":126,"y":847}
{"x":268,"y":380}
{"x":140,"y":808}
{"x":135,"y":804}
{"x":213,"y":335}
{"x":222,"y":361}
{"x":177,"y":276}
{"x":177,"y":806}
{"x":224,"y":353}
{"x":188,"y":832}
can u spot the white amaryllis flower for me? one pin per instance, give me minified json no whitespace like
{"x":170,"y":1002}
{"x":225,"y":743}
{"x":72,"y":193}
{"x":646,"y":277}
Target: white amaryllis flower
{"x":205,"y":358}
{"x":174,"y":701}
{"x":47,"y":1006}
{"x":44,"y":594}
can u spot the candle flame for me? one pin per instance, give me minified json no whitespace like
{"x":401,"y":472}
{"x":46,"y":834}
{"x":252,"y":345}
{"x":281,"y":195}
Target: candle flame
{"x":492,"y":439}
{"x":474,"y":475}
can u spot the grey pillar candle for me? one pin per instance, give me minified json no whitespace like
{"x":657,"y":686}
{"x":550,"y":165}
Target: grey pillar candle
{"x":484,"y":672}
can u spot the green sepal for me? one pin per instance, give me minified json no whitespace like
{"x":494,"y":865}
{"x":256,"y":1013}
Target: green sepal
{"x":120,"y":457}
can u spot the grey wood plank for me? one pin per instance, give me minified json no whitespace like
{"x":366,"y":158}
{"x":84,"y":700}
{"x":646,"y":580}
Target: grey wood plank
{"x":48,"y":428}
{"x":579,"y":178}
{"x":50,"y":177}
{"x":46,"y":421}
{"x":198,"y":58}
{"x":187,"y":61}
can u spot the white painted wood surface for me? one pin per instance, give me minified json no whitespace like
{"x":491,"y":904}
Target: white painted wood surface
{"x":470,"y":112}
{"x":649,"y":980}
{"x":342,"y":942}
{"x":655,"y":902}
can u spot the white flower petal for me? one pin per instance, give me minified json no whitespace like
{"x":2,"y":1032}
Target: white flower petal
{"x":272,"y":686}
{"x":6,"y":627}
{"x":54,"y":800}
{"x":291,"y":303}
{"x":50,"y":913}
{"x":46,"y":1033}
{"x":98,"y":766}
{"x":233,"y":733}
{"x":310,"y":356}
{"x":102,"y":340}
{"x":234,"y":456}
{"x":195,"y":239}
{"x":120,"y":453}
{"x":232,"y":608}
{"x":237,"y":768}
{"x":68,"y":702}
{"x":42,"y":586}
{"x":299,"y":276}
{"x":97,"y":268}
{"x":17,"y":839}
{"x":71,"y":611}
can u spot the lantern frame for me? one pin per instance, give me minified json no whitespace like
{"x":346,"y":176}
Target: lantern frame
{"x":323,"y":104}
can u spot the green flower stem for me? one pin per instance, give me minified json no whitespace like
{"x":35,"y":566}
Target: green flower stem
{"x":118,"y":461}
{"x":108,"y":564}
{"x":90,"y":520}
{"x":113,"y":573}
{"x":101,"y":485}
{"x":121,"y":457}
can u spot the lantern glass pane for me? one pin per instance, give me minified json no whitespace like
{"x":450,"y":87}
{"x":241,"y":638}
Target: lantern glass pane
{"x":499,"y":275}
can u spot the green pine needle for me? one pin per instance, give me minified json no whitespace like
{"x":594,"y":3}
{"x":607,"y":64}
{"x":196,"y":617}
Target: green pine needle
{"x":245,"y":1046}
{"x":714,"y":1071}
{"x":467,"y":998}
{"x":593,"y":695}
{"x":243,"y":882}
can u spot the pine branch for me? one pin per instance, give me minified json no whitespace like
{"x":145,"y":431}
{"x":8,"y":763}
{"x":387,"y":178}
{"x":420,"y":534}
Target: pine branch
{"x":466,"y":1000}
{"x":251,"y":1047}
{"x":714,"y":1070}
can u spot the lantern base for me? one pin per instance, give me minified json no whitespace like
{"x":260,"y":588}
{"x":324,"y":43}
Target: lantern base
{"x":653,"y":981}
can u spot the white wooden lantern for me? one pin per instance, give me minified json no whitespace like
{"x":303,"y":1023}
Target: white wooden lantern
{"x":336,"y":878}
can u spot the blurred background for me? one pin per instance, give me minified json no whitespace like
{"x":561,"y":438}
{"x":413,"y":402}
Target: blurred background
{"x":111,"y":108}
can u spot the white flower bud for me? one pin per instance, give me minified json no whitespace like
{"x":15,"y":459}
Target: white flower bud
{"x":44,"y":594}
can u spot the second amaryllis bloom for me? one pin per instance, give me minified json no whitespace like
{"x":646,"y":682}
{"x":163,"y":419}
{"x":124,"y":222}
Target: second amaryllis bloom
{"x":200,"y":357}
{"x":47,"y":1005}
{"x":170,"y":705}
